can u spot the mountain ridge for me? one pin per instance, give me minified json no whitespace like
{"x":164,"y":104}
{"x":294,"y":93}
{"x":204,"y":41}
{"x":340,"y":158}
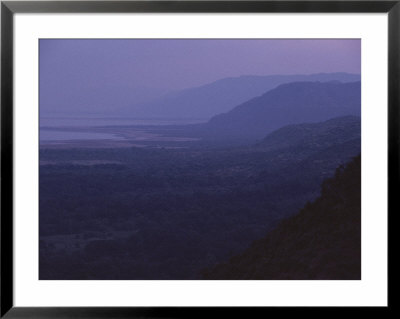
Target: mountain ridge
{"x":291,"y":103}
{"x":220,"y":96}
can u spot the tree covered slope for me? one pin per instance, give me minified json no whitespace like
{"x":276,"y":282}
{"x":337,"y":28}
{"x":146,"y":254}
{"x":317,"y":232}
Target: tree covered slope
{"x":322,"y":241}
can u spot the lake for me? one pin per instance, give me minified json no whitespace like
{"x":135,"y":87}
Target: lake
{"x":116,"y":130}
{"x":57,"y":122}
{"x":51,"y":136}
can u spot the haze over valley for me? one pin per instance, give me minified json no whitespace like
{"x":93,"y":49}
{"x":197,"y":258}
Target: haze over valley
{"x":172,"y":162}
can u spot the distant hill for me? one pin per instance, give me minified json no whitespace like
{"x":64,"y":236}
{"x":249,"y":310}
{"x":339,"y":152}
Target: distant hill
{"x":306,"y":154}
{"x":314,"y":135}
{"x":223,"y":95}
{"x":323,"y":241}
{"x":292,"y":103}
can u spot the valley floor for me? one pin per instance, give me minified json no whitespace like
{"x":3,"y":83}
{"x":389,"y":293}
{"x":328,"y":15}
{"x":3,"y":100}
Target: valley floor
{"x":168,"y":209}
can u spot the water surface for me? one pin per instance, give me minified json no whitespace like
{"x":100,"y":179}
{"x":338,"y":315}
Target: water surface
{"x":109,"y":121}
{"x":50,"y":136}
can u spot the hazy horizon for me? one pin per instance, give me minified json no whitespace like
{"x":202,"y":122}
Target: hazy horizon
{"x":99,"y":75}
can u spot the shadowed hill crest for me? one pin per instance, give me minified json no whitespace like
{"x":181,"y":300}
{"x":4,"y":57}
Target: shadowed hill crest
{"x":323,"y":241}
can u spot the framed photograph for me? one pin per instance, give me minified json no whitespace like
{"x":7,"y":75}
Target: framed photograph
{"x":189,"y":158}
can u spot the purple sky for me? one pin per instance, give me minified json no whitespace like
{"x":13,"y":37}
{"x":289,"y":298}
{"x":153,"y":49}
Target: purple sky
{"x":69,"y":69}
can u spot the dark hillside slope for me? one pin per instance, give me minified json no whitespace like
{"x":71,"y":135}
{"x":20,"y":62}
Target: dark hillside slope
{"x":323,"y":241}
{"x":293,"y":103}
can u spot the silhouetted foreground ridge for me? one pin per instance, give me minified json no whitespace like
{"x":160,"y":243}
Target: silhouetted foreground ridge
{"x":323,"y":241}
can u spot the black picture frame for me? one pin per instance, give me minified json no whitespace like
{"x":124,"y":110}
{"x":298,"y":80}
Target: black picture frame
{"x":9,"y":8}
